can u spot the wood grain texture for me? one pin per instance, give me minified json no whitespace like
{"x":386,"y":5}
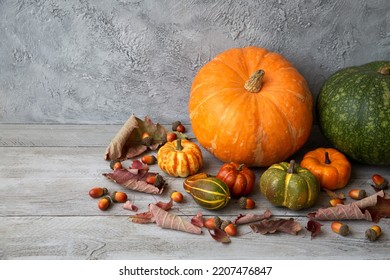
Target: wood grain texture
{"x":46,"y":172}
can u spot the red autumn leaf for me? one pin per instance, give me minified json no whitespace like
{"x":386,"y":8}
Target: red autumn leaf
{"x":271,"y":226}
{"x":250,"y":218}
{"x":219,"y":235}
{"x":128,"y":205}
{"x":314,"y":227}
{"x":165,"y":205}
{"x":198,"y":220}
{"x":380,"y":210}
{"x":127,"y":143}
{"x":168,"y":220}
{"x":134,"y":179}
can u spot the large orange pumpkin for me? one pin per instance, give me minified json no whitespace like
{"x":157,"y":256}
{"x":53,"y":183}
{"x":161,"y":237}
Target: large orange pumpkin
{"x":251,"y":106}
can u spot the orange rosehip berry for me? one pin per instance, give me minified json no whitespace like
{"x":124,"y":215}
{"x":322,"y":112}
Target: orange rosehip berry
{"x":340,"y":228}
{"x":146,"y":139}
{"x":180,"y":128}
{"x":380,"y":182}
{"x":104,"y":203}
{"x":231,"y":229}
{"x":151,"y":179}
{"x":334,"y":201}
{"x":117,"y":165}
{"x":171,"y":136}
{"x":97,"y":192}
{"x":149,"y":159}
{"x":373,"y":233}
{"x":246,"y":203}
{"x":177,"y":196}
{"x":119,"y":197}
{"x":212,"y":223}
{"x":357,"y":194}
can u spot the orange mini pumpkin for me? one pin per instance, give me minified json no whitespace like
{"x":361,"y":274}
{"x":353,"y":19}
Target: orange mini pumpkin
{"x":239,"y":178}
{"x":180,"y":158}
{"x":331,"y":168}
{"x":250,"y":105}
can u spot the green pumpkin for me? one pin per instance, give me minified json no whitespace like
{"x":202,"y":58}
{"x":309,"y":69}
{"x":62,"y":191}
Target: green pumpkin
{"x":353,"y":110}
{"x":290,"y":185}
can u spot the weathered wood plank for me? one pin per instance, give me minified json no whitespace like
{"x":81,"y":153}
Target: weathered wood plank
{"x":113,"y":237}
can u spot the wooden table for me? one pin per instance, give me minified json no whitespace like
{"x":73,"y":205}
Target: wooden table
{"x":46,"y":172}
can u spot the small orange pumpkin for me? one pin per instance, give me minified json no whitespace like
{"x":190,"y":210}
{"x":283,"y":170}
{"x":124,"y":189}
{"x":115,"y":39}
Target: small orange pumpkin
{"x":238,"y":177}
{"x":250,"y":105}
{"x":331,"y":167}
{"x":180,"y":158}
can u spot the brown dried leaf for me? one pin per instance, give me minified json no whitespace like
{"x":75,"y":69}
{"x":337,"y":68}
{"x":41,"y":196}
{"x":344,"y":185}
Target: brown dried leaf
{"x":333,"y":194}
{"x":271,"y":226}
{"x":127,"y":142}
{"x":380,"y":210}
{"x":219,"y":235}
{"x":198,"y":220}
{"x":314,"y":227}
{"x":353,"y":211}
{"x":168,"y":220}
{"x":128,"y":205}
{"x":134,"y":179}
{"x":143,"y":218}
{"x":250,"y":218}
{"x":165,"y":205}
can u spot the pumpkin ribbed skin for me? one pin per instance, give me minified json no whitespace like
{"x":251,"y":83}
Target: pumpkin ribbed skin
{"x":331,"y":168}
{"x":207,"y":191}
{"x":255,"y":128}
{"x":296,"y":191}
{"x":180,"y":162}
{"x":353,"y":109}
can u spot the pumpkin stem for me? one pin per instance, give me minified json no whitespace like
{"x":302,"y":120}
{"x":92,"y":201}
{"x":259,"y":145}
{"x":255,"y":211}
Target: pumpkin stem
{"x":327,"y":159}
{"x":255,"y":83}
{"x":384,"y":70}
{"x":240,"y":166}
{"x":291,"y":167}
{"x":179,"y":146}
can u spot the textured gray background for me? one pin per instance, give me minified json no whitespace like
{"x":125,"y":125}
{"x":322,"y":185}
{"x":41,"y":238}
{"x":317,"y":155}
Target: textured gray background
{"x":99,"y":61}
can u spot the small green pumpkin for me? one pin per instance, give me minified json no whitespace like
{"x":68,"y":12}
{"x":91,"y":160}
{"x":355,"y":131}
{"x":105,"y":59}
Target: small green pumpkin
{"x":353,"y":110}
{"x":207,"y":191}
{"x":290,"y":185}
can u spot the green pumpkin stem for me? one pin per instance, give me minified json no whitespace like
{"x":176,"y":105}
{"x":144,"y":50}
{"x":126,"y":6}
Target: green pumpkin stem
{"x":384,"y":70}
{"x":239,"y":168}
{"x":255,"y":82}
{"x":327,"y":159}
{"x":179,"y":146}
{"x":290,"y":169}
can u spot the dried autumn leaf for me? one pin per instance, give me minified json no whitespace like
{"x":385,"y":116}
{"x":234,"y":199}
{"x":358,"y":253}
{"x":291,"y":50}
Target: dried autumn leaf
{"x":380,"y":210}
{"x":127,"y":143}
{"x":128,"y":205}
{"x":168,"y":220}
{"x":314,"y":227}
{"x":250,"y":218}
{"x":219,"y":235}
{"x":333,"y":194}
{"x":134,"y":179}
{"x":165,"y":205}
{"x":143,"y":218}
{"x":271,"y":226}
{"x":357,"y":210}
{"x":198,"y":220}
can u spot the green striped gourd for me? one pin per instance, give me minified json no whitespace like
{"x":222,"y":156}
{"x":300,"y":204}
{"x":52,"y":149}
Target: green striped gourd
{"x":290,"y":185}
{"x":353,"y":109}
{"x":207,"y":191}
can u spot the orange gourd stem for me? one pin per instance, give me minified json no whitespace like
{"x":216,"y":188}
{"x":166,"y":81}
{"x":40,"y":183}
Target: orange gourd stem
{"x":179,"y":146}
{"x":239,"y":168}
{"x":327,"y":159}
{"x":255,"y":82}
{"x":385,"y":70}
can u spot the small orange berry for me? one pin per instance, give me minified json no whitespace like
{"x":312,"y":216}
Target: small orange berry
{"x":146,"y":139}
{"x":357,"y":194}
{"x":373,"y":233}
{"x":335,"y":201}
{"x":340,"y":228}
{"x":151,"y":179}
{"x":119,"y":197}
{"x":171,"y":136}
{"x":177,"y":197}
{"x":149,"y":159}
{"x":117,"y":165}
{"x":246,"y":203}
{"x":97,"y":192}
{"x":212,"y":223}
{"x":180,"y":128}
{"x":231,"y":229}
{"x":104,"y":203}
{"x":380,"y":182}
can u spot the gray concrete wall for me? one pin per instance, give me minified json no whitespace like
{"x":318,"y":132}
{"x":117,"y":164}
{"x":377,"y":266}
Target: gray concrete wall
{"x":98,"y":61}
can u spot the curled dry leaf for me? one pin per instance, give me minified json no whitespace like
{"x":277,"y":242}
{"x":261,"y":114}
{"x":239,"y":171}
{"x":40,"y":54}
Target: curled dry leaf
{"x":134,"y":179}
{"x":371,"y":208}
{"x":219,"y":235}
{"x":143,"y":218}
{"x":271,"y":226}
{"x":168,"y":220}
{"x":314,"y":227}
{"x":127,"y":143}
{"x":165,"y":205}
{"x":198,"y":220}
{"x":251,"y":218}
{"x":128,"y":205}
